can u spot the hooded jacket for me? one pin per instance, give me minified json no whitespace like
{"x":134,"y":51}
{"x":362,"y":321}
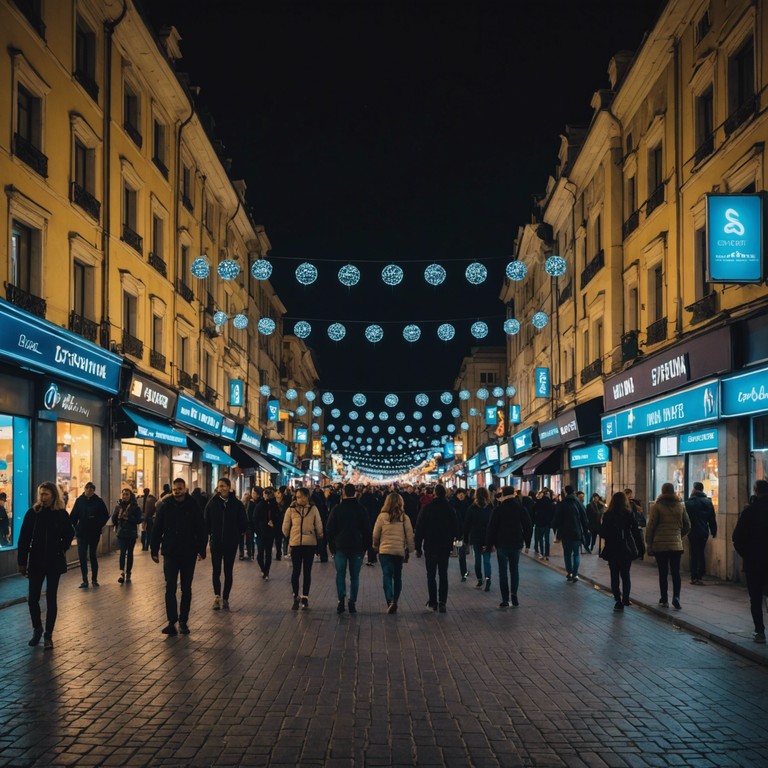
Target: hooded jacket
{"x":348,"y":529}
{"x":44,"y":538}
{"x":701,"y":513}
{"x":225,"y":522}
{"x":668,"y":522}
{"x":570,"y":519}
{"x":89,"y":516}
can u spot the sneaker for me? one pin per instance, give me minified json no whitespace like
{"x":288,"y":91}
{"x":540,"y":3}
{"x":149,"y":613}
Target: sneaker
{"x":127,"y":578}
{"x":699,"y":583}
{"x":351,"y":607}
{"x":515,"y":601}
{"x":546,"y":558}
{"x":463,"y":576}
{"x":433,"y":606}
{"x":676,"y":604}
{"x":441,"y":607}
{"x":266,"y":577}
{"x":304,"y":603}
{"x":84,"y":585}
{"x":121,"y":580}
{"x":295,"y":606}
{"x":568,"y":578}
{"x":693,"y":581}
{"x":340,"y":607}
{"x":183,"y":628}
{"x":619,"y":606}
{"x":216,"y":602}
{"x":392,"y":608}
{"x":225,"y":604}
{"x":95,"y":583}
{"x":574,"y":578}
{"x":663,"y":603}
{"x":170,"y":629}
{"x":625,"y":602}
{"x":48,"y":643}
{"x":36,"y":635}
{"x":488,"y":584}
{"x":503,"y":604}
{"x":241,"y":557}
{"x":759,"y":637}
{"x":479,"y":583}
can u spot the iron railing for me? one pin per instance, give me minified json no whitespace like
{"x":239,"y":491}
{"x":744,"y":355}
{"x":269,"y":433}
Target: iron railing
{"x":740,"y":115}
{"x":132,"y":346}
{"x":133,"y":239}
{"x":25,"y":300}
{"x":656,"y":332}
{"x":569,"y":386}
{"x":83,"y":198}
{"x":210,"y":395}
{"x":156,"y":360}
{"x":631,"y":224}
{"x":565,"y":294}
{"x":630,"y":346}
{"x":184,"y":290}
{"x":704,"y":308}
{"x":705,"y":149}
{"x":158,"y":264}
{"x":185,"y":379}
{"x":594,"y":266}
{"x":82,"y":326}
{"x":28,"y":153}
{"x":592,"y":371}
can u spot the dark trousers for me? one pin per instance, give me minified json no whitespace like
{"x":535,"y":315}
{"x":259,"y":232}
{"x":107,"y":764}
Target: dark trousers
{"x":246,"y":543}
{"x":264,"y":546}
{"x":146,"y":536}
{"x":372,"y":556}
{"x":669,"y":562}
{"x":278,"y":543}
{"x":755,"y":585}
{"x":36,"y":578}
{"x":227,"y":558}
{"x":86,"y":549}
{"x":302,"y":558}
{"x":437,"y":563}
{"x":462,"y":558}
{"x":697,"y":556}
{"x":126,"y":554}
{"x":175,"y":568}
{"x":620,"y":568}
{"x":322,"y":549}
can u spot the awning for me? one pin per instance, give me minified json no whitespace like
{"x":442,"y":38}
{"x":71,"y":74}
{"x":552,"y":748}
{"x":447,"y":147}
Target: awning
{"x":291,"y":469}
{"x":211,"y":454}
{"x":510,"y":468}
{"x":148,"y":429}
{"x":250,"y":458}
{"x":543,"y":463}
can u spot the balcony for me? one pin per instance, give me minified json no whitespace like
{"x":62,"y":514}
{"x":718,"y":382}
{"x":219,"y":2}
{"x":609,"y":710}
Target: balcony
{"x":90,"y":86}
{"x":157,"y":360}
{"x":656,"y":332}
{"x":132,"y":346}
{"x":630,"y":346}
{"x":655,"y":200}
{"x":185,"y":379}
{"x":26,"y":301}
{"x":29,"y":154}
{"x":31,"y":15}
{"x":82,"y":326}
{"x":82,"y":197}
{"x":184,"y":290}
{"x":569,"y":386}
{"x":705,"y":149}
{"x":160,"y":165}
{"x":703,"y":309}
{"x":565,"y":294}
{"x":594,"y":266}
{"x":740,"y":115}
{"x":593,"y":371}
{"x":132,"y":238}
{"x":210,"y":395}
{"x":158,"y":264}
{"x":187,"y":203}
{"x":630,"y":225}
{"x":133,"y":132}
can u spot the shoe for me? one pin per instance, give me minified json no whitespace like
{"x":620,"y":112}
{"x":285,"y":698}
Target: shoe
{"x":676,"y":604}
{"x":759,"y":637}
{"x":48,"y":643}
{"x":241,"y":558}
{"x":693,"y":581}
{"x":304,"y":603}
{"x":351,"y":607}
{"x":266,"y":577}
{"x":479,"y":583}
{"x":433,"y":606}
{"x":121,"y":580}
{"x":371,"y":564}
{"x":487,"y":585}
{"x":625,"y":602}
{"x":574,"y":578}
{"x":663,"y":603}
{"x":170,"y":629}
{"x":568,"y":578}
{"x":36,"y":635}
{"x":441,"y":607}
{"x":84,"y":585}
{"x":515,"y":601}
{"x":340,"y":607}
{"x":546,"y":558}
{"x":392,"y":608}
{"x":183,"y":628}
{"x":217,"y":603}
{"x":699,"y":583}
{"x":225,"y":604}
{"x":295,"y":606}
{"x":127,"y":578}
{"x":503,"y":604}
{"x":619,"y":606}
{"x":464,"y":577}
{"x":95,"y":583}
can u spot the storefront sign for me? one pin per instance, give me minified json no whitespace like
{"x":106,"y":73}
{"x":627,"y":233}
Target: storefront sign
{"x":492,"y":454}
{"x":448,"y":450}
{"x":151,"y":396}
{"x":278,"y":450}
{"x":250,"y":438}
{"x":745,"y":394}
{"x":43,"y":346}
{"x":273,"y":410}
{"x":195,"y":414}
{"x":490,"y":415}
{"x":504,"y":452}
{"x":523,"y":440}
{"x":690,"y":406}
{"x":543,"y":386}
{"x":703,"y":440}
{"x":458,"y":448}
{"x":514,"y":414}
{"x":184,"y":455}
{"x":589,"y":456}
{"x":473,"y":464}
{"x":236,"y":393}
{"x":549,"y":434}
{"x":690,"y":361}
{"x":317,"y":448}
{"x":228,"y":428}
{"x":71,"y":404}
{"x":300,"y":435}
{"x":735,"y":238}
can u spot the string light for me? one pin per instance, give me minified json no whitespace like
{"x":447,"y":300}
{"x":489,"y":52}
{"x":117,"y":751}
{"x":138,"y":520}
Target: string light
{"x":219,"y":318}
{"x":516,"y":270}
{"x":349,"y":275}
{"x":302,"y":329}
{"x":476,"y":273}
{"x":317,"y":411}
{"x":374,"y":333}
{"x":370,"y":415}
{"x":353,"y":415}
{"x":540,"y":320}
{"x":264,"y":390}
{"x":434,"y":274}
{"x":411,"y":333}
{"x":400,"y":416}
{"x":228,"y":269}
{"x":310,"y":396}
{"x":479,"y":330}
{"x":464,"y":426}
{"x":482,"y":393}
{"x":417,"y":415}
{"x":446,"y":398}
{"x":336,"y":332}
{"x":465,"y":394}
{"x":267,"y":326}
{"x":497,"y":392}
{"x":392,"y":274}
{"x":422,"y":400}
{"x":437,"y":415}
{"x":455,"y":412}
{"x":510,"y":390}
{"x":200,"y":267}
{"x":555,"y":266}
{"x":306,"y":273}
{"x":328,"y":398}
{"x":511,"y":326}
{"x":359,"y":399}
{"x":301,"y":411}
{"x":473,"y":411}
{"x":261,"y":269}
{"x":291,"y":394}
{"x":446,"y":332}
{"x":391,"y":400}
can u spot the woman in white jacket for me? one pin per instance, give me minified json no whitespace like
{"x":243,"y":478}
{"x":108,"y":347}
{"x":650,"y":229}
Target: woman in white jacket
{"x":302,"y":528}
{"x":392,"y":538}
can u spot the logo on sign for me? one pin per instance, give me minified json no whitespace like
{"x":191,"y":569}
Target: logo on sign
{"x":734,"y":226}
{"x":52,"y":397}
{"x":542,"y":382}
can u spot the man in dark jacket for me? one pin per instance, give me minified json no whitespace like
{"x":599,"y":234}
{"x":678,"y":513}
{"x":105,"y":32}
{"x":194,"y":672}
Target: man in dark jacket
{"x":318,"y":499}
{"x":5,"y":523}
{"x":147,"y":504}
{"x":225,"y":523}
{"x":460,"y":507}
{"x":543,"y":512}
{"x":372,"y":507}
{"x":267,"y":521}
{"x":436,"y":530}
{"x":701,"y":512}
{"x":349,"y":536}
{"x":572,"y":528}
{"x":509,"y":530}
{"x":750,"y":539}
{"x":89,"y":516}
{"x":411,"y":504}
{"x":180,"y":530}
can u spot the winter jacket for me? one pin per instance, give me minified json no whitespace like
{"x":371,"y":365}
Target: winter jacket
{"x":126,"y":519}
{"x":89,"y":516}
{"x":225,"y":522}
{"x":510,"y":526}
{"x":302,"y":525}
{"x":476,"y":524}
{"x":348,"y":529}
{"x":618,"y":525}
{"x":267,"y":511}
{"x":460,"y":508}
{"x":147,"y":504}
{"x":667,"y":524}
{"x":393,"y":537}
{"x":570,"y":520}
{"x":595,"y":510}
{"x":701,"y":513}
{"x":750,"y":536}
{"x":44,"y":538}
{"x":411,"y":503}
{"x":543,"y":512}
{"x":436,"y":527}
{"x":179,"y":528}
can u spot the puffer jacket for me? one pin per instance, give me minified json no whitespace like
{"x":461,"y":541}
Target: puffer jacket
{"x":393,"y":537}
{"x":302,"y":525}
{"x":476,"y":524}
{"x":46,"y":534}
{"x":668,"y":522}
{"x":437,"y":527}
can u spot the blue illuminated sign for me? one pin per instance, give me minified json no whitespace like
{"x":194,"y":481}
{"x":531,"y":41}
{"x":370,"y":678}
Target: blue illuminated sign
{"x":300,"y":435}
{"x":273,"y":410}
{"x":589,"y":455}
{"x":745,"y":394}
{"x":543,"y":384}
{"x":523,"y":441}
{"x":703,"y":440}
{"x":689,"y":406}
{"x":448,"y":451}
{"x":236,"y":393}
{"x":193,"y":413}
{"x":250,"y":438}
{"x":514,"y":414}
{"x":278,"y":450}
{"x":735,"y":238}
{"x":492,"y":454}
{"x":490,"y":415}
{"x":31,"y":341}
{"x":473,"y":464}
{"x":228,"y":429}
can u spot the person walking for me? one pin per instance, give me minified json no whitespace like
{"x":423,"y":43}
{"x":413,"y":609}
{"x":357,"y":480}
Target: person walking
{"x":509,"y":530}
{"x":147,"y":504}
{"x":5,"y":523}
{"x":126,"y":518}
{"x":303,"y":528}
{"x":373,"y":507}
{"x":89,"y":516}
{"x":266,"y":519}
{"x":393,"y":540}
{"x":595,"y":510}
{"x":572,"y":529}
{"x":622,"y":543}
{"x":247,"y":543}
{"x":543,"y":512}
{"x":436,"y":530}
{"x":180,"y":531}
{"x":460,"y":505}
{"x":475,"y":532}
{"x":701,"y":513}
{"x":46,"y":535}
{"x":318,"y":499}
{"x":349,"y":536}
{"x":225,"y":523}
{"x":668,"y":522}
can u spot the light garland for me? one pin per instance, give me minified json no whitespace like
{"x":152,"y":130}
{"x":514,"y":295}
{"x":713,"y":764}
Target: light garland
{"x":306,"y":273}
{"x":349,"y":275}
{"x":479,"y":330}
{"x":555,"y":266}
{"x":336,"y":332}
{"x":446,"y":398}
{"x":328,"y":398}
{"x":219,"y":318}
{"x":359,"y":399}
{"x":392,"y":274}
{"x":446,"y":332}
{"x":267,"y":326}
{"x":374,"y":333}
{"x":434,"y":274}
{"x":240,"y":321}
{"x":228,"y":269}
{"x":476,"y":273}
{"x":540,"y":320}
{"x":291,"y":394}
{"x":261,"y":270}
{"x":411,"y":333}
{"x":511,"y":326}
{"x":391,"y":400}
{"x":302,"y":329}
{"x":264,"y":390}
{"x":516,"y":270}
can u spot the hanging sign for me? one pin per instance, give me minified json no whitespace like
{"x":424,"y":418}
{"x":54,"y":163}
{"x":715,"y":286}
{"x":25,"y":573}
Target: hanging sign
{"x":735,"y":238}
{"x":236,"y":393}
{"x":543,"y":385}
{"x":514,"y":414}
{"x":490,"y":415}
{"x":300,"y":435}
{"x":273,"y":410}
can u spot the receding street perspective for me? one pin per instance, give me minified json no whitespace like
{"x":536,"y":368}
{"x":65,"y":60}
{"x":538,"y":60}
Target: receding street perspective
{"x":384,"y":383}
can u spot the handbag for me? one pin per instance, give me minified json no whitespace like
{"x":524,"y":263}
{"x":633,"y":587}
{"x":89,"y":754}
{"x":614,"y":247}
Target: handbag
{"x":628,"y":544}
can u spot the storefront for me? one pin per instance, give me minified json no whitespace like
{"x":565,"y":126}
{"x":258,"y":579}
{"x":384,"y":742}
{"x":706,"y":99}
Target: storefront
{"x":258,"y":470}
{"x":589,"y":463}
{"x":524,"y":443}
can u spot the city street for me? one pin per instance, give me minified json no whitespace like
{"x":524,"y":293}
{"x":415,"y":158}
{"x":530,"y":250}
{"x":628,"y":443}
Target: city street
{"x":560,"y":681}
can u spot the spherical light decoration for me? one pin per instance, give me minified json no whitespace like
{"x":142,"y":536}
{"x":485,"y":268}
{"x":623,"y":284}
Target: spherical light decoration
{"x":392,"y":274}
{"x":423,"y":430}
{"x":411,"y":333}
{"x":200,"y":267}
{"x":261,"y":269}
{"x":455,"y":412}
{"x":464,"y":426}
{"x":510,"y":391}
{"x":353,"y":415}
{"x":408,"y":428}
{"x":391,"y":400}
{"x":306,"y":273}
{"x":310,"y":396}
{"x":465,"y":394}
{"x":516,"y":270}
{"x":473,"y":411}
{"x":370,"y":415}
{"x":349,"y":275}
{"x":264,"y":390}
{"x":417,"y":415}
{"x":479,"y":329}
{"x":437,"y":415}
{"x":383,"y":415}
{"x":436,"y":427}
{"x":422,"y":400}
{"x":446,"y":332}
{"x":330,"y":427}
{"x":228,"y":269}
{"x":336,"y":332}
{"x":267,"y":326}
{"x":291,"y":394}
{"x":400,"y":416}
{"x":555,"y":266}
{"x":219,"y":318}
{"x":434,"y":274}
{"x":482,"y":394}
{"x":391,"y":430}
{"x":315,"y":427}
{"x":451,"y":428}
{"x":359,"y":399}
{"x":345,"y":427}
{"x":328,"y":398}
{"x":317,"y":411}
{"x":446,"y":398}
{"x":240,"y":321}
{"x":540,"y":320}
{"x":476,"y":273}
{"x":335,"y":413}
{"x":497,"y":392}
{"x":499,"y":403}
{"x":374,"y":333}
{"x":302,"y":329}
{"x":375,"y":429}
{"x":511,"y":326}
{"x":301,"y":411}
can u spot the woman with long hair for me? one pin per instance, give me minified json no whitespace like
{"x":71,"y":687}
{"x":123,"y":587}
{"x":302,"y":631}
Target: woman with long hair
{"x":126,"y":518}
{"x":303,"y":528}
{"x":622,"y":543}
{"x":392,"y":538}
{"x":46,"y":534}
{"x":475,"y":532}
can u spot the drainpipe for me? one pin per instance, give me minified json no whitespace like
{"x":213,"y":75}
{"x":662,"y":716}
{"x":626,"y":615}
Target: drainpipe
{"x":678,"y":218}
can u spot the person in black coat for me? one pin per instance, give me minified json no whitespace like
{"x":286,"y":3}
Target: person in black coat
{"x":619,"y":531}
{"x":349,"y":536}
{"x":475,"y":533}
{"x":372,"y":507}
{"x":225,"y":523}
{"x":5,"y":523}
{"x":701,"y":512}
{"x":572,"y":528}
{"x":543,"y":512}
{"x":436,"y":530}
{"x":180,"y":531}
{"x":509,"y":530}
{"x":460,"y":504}
{"x":89,"y":516}
{"x":318,"y":499}
{"x":267,"y":521}
{"x":46,"y":534}
{"x":126,"y":518}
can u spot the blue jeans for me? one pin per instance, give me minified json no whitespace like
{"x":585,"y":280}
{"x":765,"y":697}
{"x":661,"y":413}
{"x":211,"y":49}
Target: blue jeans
{"x":509,"y":560}
{"x":482,"y":562}
{"x":355,"y":562}
{"x":541,"y":539}
{"x":392,"y":573}
{"x":572,"y":556}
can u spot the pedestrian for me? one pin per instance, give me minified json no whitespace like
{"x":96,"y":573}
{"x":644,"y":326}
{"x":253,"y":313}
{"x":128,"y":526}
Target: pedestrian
{"x":436,"y":530}
{"x":460,"y":506}
{"x":318,"y":498}
{"x":572,"y":529}
{"x":636,"y":507}
{"x":595,"y":510}
{"x":283,"y":499}
{"x":750,"y":540}
{"x":5,"y":523}
{"x":267,"y":520}
{"x":303,"y":528}
{"x":543,"y":513}
{"x":147,"y":504}
{"x":247,"y":542}
{"x":166,"y":492}
{"x":46,"y":535}
{"x":349,"y":536}
{"x":89,"y":516}
{"x":475,"y":532}
{"x":667,"y":524}
{"x":701,"y":513}
{"x":180,"y":531}
{"x":373,"y":507}
{"x":509,"y":530}
{"x":126,"y":518}
{"x":622,"y":543}
{"x":393,"y":539}
{"x":225,"y":524}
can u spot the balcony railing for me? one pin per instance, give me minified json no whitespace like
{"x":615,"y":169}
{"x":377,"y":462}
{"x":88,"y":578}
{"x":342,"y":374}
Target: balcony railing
{"x":592,"y":371}
{"x":132,"y":346}
{"x":89,"y":84}
{"x":26,"y":7}
{"x":656,"y":332}
{"x":156,"y":360}
{"x":594,"y":266}
{"x":569,"y":386}
{"x":740,"y":115}
{"x":705,"y":149}
{"x":157,"y":263}
{"x":565,"y":294}
{"x":630,"y":346}
{"x":185,"y":379}
{"x":187,"y":203}
{"x":704,"y":308}
{"x":160,"y":165}
{"x":82,"y":326}
{"x":133,"y":239}
{"x":210,"y":395}
{"x":82,"y":197}
{"x":184,"y":290}
{"x":133,"y":132}
{"x":631,"y":224}
{"x":655,"y":200}
{"x":26,"y":301}
{"x":28,"y":153}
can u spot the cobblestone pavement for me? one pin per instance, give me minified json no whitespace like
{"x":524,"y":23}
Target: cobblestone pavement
{"x":560,"y":681}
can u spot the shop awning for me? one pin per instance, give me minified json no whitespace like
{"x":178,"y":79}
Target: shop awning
{"x":511,"y":467}
{"x":247,"y":457}
{"x":211,"y":453}
{"x":149,"y":429}
{"x":543,"y":463}
{"x":291,"y":469}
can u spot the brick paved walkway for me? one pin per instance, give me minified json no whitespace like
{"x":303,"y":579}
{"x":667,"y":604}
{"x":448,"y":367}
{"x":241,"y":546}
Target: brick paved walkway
{"x":561,"y":681}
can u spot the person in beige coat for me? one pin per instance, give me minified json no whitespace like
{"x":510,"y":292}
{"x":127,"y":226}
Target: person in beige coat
{"x":302,"y":528}
{"x":392,"y":538}
{"x":668,"y":523}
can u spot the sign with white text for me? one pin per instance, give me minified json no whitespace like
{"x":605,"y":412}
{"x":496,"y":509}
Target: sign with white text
{"x":735,"y":238}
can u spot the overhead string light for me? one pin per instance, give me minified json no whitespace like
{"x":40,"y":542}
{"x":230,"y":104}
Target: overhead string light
{"x":267,"y":326}
{"x":302,"y":329}
{"x":336,"y":332}
{"x":261,"y":269}
{"x":476,"y":273}
{"x":446,"y":332}
{"x":540,"y":320}
{"x":306,"y":273}
{"x":240,"y":321}
{"x":511,"y":326}
{"x":349,"y":275}
{"x":392,"y":274}
{"x":228,"y":269}
{"x":374,"y":333}
{"x":516,"y":270}
{"x":555,"y":266}
{"x":434,"y":274}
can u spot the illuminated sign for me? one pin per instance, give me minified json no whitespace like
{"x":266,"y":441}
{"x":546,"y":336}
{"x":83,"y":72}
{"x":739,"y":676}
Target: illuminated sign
{"x":746,"y":393}
{"x":490,"y":415}
{"x":514,"y":414}
{"x":492,"y":454}
{"x":236,"y":393}
{"x":734,"y":238}
{"x":300,"y":435}
{"x":273,"y":410}
{"x":523,"y":440}
{"x":193,"y":413}
{"x":543,"y":385}
{"x":250,"y":438}
{"x":151,"y":396}
{"x":704,"y":440}
{"x":590,"y":456}
{"x":278,"y":450}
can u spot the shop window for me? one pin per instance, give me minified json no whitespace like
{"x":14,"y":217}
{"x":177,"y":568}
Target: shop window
{"x":14,"y":462}
{"x":703,"y":468}
{"x":74,"y":459}
{"x":137,"y":466}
